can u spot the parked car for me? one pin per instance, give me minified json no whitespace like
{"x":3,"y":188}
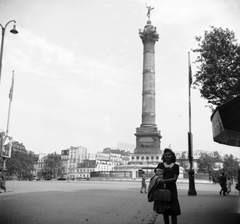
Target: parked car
{"x":83,"y":178}
{"x":61,"y":178}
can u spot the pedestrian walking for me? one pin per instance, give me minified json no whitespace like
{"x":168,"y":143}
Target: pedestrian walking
{"x":2,"y":183}
{"x":229,"y":184}
{"x":210,"y":179}
{"x":214,"y":180}
{"x":170,"y":174}
{"x":222,"y":182}
{"x":144,"y":186}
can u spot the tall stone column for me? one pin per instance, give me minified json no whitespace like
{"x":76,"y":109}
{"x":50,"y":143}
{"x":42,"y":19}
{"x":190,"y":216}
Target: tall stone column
{"x":147,"y":135}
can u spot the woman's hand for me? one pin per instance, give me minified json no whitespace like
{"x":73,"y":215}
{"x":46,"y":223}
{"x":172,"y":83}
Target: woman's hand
{"x":162,"y":181}
{"x":171,"y":180}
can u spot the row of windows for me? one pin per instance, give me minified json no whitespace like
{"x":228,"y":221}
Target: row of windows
{"x":145,"y":157}
{"x":85,"y":170}
{"x":84,"y":175}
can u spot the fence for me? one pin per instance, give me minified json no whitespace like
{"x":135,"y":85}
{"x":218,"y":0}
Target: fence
{"x":199,"y":176}
{"x":111,"y":174}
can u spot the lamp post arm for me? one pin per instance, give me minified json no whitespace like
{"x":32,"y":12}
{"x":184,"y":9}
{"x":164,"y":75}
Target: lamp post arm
{"x":2,"y":42}
{"x":8,"y":23}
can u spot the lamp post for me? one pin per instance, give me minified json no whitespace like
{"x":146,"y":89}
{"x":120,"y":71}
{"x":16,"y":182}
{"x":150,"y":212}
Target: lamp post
{"x":14,"y":31}
{"x":191,"y":172}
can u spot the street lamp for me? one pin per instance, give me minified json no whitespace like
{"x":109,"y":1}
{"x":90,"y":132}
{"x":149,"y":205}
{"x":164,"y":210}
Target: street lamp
{"x":14,"y":31}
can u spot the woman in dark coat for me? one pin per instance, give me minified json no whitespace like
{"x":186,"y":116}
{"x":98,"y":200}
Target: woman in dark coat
{"x":171,"y":172}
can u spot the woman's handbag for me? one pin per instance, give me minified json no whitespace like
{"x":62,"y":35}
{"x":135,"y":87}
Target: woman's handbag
{"x":161,"y":195}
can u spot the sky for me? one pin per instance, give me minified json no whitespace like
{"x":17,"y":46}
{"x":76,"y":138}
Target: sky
{"x":78,"y":71}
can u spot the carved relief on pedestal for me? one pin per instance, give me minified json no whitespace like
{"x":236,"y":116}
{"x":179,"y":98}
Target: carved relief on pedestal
{"x":146,"y":142}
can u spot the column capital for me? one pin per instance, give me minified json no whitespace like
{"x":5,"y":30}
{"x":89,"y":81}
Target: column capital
{"x":149,"y":33}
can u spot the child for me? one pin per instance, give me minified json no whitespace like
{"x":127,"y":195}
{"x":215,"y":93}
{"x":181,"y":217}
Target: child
{"x":159,"y":206}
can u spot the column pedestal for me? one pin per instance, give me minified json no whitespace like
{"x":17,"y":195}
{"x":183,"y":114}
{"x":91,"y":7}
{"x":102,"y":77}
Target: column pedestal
{"x":147,"y":140}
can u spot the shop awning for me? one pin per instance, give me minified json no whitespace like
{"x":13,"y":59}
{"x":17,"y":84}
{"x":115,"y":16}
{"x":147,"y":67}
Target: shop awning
{"x":226,"y":123}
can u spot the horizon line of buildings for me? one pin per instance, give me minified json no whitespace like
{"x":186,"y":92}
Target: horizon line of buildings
{"x":78,"y":163}
{"x":129,"y":148}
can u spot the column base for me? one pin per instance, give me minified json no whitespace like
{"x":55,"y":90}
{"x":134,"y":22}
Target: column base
{"x":148,"y":140}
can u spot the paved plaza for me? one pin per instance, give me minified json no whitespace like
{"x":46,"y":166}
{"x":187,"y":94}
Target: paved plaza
{"x":103,"y":202}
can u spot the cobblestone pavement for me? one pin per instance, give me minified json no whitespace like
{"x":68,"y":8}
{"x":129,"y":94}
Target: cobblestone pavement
{"x":74,"y":205}
{"x":103,"y":202}
{"x":206,"y":208}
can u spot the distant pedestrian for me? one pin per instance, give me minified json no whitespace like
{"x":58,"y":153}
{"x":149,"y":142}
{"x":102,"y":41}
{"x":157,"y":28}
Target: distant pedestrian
{"x":222,"y":182}
{"x":229,"y":183}
{"x":214,"y":180}
{"x":144,"y":186}
{"x":2,"y":183}
{"x":210,"y":179}
{"x":171,"y":172}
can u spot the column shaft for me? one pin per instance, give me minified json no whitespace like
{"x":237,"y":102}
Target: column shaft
{"x":148,"y":94}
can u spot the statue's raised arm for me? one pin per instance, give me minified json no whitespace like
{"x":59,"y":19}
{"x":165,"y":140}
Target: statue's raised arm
{"x":149,"y":10}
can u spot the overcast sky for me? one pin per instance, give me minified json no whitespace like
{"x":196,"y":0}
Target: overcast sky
{"x":78,"y":71}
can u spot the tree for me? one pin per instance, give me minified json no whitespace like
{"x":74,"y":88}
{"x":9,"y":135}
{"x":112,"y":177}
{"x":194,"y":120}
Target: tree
{"x":230,"y":166}
{"x":206,"y":164}
{"x":218,"y":77}
{"x":53,"y":166}
{"x":21,"y":164}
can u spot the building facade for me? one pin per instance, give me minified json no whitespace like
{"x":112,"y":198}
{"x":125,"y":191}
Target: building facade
{"x":17,"y":146}
{"x":85,"y":168}
{"x":71,"y":157}
{"x":39,"y":165}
